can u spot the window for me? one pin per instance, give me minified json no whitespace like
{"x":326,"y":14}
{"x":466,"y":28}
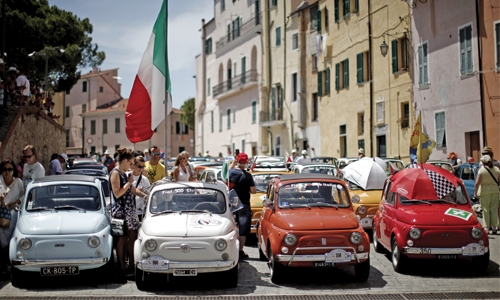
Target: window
{"x":314,"y":63}
{"x":314,"y":107}
{"x":380,"y":112}
{"x":324,"y":82}
{"x":313,"y":17}
{"x":84,"y":86}
{"x":117,"y":147}
{"x":92,"y":150}
{"x":92,"y":127}
{"x":67,"y":137}
{"x":273,"y":3}
{"x":208,"y":46}
{"x":497,"y":44}
{"x":278,"y":36}
{"x":104,"y":148}
{"x":236,"y":23}
{"x":294,"y":87}
{"x":277,"y":148}
{"x":320,"y":83}
{"x":185,"y":128}
{"x":343,"y":140}
{"x":117,"y":125}
{"x":362,"y":67}
{"x":327,"y":81}
{"x":342,"y":74}
{"x":466,"y":59}
{"x":178,"y":127}
{"x":400,"y":55}
{"x":405,"y":115}
{"x":336,"y":12}
{"x":220,"y":122}
{"x":101,"y":89}
{"x":326,"y":17}
{"x":361,"y":124}
{"x":254,"y":112}
{"x":440,"y":129}
{"x":84,"y":108}
{"x":208,"y":87}
{"x":222,"y":5}
{"x":361,"y":144}
{"x":104,"y":126}
{"x":242,"y":145}
{"x":228,"y":118}
{"x":423,"y":75}
{"x":234,"y":115}
{"x":295,"y":41}
{"x":66,"y":112}
{"x":346,"y":8}
{"x":212,"y":121}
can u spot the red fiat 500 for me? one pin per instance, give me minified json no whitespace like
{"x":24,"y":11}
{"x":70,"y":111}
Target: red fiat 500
{"x":308,"y":221}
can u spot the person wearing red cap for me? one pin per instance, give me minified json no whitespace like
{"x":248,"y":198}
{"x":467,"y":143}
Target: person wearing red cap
{"x":243,"y":185}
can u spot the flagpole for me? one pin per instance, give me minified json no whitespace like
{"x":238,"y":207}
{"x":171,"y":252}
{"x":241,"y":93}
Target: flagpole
{"x":166,"y":94}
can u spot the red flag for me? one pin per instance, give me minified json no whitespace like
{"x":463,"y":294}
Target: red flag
{"x":288,"y":158}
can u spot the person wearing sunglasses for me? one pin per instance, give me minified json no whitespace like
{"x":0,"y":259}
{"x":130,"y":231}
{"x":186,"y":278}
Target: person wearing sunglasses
{"x":181,"y":172}
{"x":141,"y":183}
{"x":154,"y":170}
{"x":32,"y":168}
{"x":11,"y":194}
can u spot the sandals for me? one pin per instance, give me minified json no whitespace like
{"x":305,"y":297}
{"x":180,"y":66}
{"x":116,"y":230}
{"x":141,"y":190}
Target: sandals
{"x":243,"y":255}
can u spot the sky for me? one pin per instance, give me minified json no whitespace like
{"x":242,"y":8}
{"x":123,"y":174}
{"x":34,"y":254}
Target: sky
{"x":121,"y":28}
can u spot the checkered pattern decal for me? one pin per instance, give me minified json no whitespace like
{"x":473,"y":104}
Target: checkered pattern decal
{"x":442,"y":185}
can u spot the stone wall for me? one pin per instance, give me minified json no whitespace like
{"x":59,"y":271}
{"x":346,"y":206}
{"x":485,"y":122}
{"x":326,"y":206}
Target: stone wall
{"x":33,"y":126}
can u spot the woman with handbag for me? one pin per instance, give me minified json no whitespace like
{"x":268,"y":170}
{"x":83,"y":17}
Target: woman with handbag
{"x":487,"y":190}
{"x":123,"y":207}
{"x":11,"y":194}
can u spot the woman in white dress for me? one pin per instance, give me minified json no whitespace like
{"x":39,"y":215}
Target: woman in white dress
{"x":181,"y":173}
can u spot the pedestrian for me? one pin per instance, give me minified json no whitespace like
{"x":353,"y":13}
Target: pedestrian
{"x":32,"y":168}
{"x":488,"y":151}
{"x":303,"y":159}
{"x":141,"y":183}
{"x":361,"y":153}
{"x":147,"y":155}
{"x":56,"y":161}
{"x":154,"y":170}
{"x":123,"y":207}
{"x":487,"y":190}
{"x":243,"y":185}
{"x":181,"y":172}
{"x":189,"y":167}
{"x":454,"y":160}
{"x":294,"y":155}
{"x":11,"y":194}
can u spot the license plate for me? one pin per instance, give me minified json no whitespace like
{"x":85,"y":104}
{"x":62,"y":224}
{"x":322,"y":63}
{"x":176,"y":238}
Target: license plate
{"x":425,"y":251}
{"x":446,"y":256}
{"x":366,"y":222}
{"x":155,"y":263}
{"x":185,"y":272}
{"x":322,"y":264}
{"x":51,"y":271}
{"x":472,"y":250}
{"x":337,"y":255}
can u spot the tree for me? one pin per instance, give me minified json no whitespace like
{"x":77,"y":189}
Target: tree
{"x":32,"y":25}
{"x":188,"y":116}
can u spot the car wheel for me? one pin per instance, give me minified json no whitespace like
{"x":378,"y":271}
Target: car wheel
{"x":398,"y":259}
{"x":16,"y":278}
{"x":230,"y":277}
{"x":378,"y":247}
{"x":481,"y":263}
{"x":140,"y":279}
{"x":275,"y":269}
{"x":362,"y":271}
{"x":262,"y":256}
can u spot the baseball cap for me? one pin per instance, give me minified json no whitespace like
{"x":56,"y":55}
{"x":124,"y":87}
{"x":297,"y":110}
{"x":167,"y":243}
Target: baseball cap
{"x":242,"y":158}
{"x":65,"y":156}
{"x":294,"y":151}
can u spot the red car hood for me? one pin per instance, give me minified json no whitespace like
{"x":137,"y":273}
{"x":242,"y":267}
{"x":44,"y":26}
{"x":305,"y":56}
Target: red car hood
{"x":315,"y":219}
{"x":424,"y":214}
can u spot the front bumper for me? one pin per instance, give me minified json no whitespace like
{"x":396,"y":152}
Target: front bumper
{"x":168,"y":267}
{"x":481,"y":250}
{"x":82,"y":263}
{"x":318,"y":257}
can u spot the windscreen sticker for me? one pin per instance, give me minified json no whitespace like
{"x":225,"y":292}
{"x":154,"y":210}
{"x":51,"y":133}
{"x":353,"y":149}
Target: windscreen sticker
{"x":208,"y":222}
{"x":458,"y":213}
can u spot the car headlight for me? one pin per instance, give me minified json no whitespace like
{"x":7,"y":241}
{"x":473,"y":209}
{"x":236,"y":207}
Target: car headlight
{"x":355,"y":199}
{"x":415,"y":233}
{"x":25,"y":243}
{"x":356,"y":237}
{"x":290,"y":239}
{"x":94,"y":241}
{"x":220,"y":244}
{"x":476,"y":233}
{"x":150,"y":245}
{"x":361,"y":209}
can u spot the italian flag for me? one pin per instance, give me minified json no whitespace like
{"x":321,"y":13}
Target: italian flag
{"x":151,"y":90}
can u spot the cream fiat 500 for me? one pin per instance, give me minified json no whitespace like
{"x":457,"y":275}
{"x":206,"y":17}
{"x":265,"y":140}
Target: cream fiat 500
{"x":188,"y":229}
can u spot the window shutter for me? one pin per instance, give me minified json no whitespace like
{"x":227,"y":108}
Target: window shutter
{"x":228,"y":32}
{"x":347,"y":7}
{"x":346,"y":73}
{"x":337,"y":76}
{"x":462,"y":51}
{"x":440,"y":129}
{"x":420,"y":66}
{"x":468,"y":48}
{"x":336,"y":11}
{"x":356,"y":5}
{"x":320,"y":83}
{"x":394,"y":49}
{"x":327,"y":81}
{"x":326,"y":17}
{"x":318,"y":20}
{"x":359,"y":69}
{"x":497,"y":32}
{"x":177,"y":127}
{"x":206,"y":47}
{"x":426,"y":72}
{"x":273,"y":103}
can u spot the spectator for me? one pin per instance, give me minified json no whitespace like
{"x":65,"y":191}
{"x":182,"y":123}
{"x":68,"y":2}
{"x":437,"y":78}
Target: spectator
{"x":304,"y":159}
{"x":294,"y":155}
{"x":55,"y":164}
{"x":32,"y":168}
{"x":189,"y":167}
{"x":154,"y":170}
{"x":23,"y":85}
{"x":488,"y":151}
{"x":141,"y":183}
{"x":361,"y":153}
{"x":486,"y":189}
{"x":454,"y":160}
{"x":20,"y":165}
{"x":181,"y":172}
{"x":107,"y":159}
{"x":112,"y":165}
{"x":147,"y":155}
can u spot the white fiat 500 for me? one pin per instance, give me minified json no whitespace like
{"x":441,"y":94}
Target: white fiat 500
{"x":188,"y":229}
{"x":62,"y":229}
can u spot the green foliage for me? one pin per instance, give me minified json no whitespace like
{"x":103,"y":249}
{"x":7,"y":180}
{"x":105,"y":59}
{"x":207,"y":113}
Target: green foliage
{"x":188,"y":116}
{"x":32,"y":25}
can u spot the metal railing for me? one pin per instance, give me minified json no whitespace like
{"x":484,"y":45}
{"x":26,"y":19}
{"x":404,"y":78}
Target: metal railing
{"x":237,"y":32}
{"x":275,"y":114}
{"x":235,"y":82}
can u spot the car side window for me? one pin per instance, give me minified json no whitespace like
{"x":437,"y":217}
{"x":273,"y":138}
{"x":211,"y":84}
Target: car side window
{"x":389,"y":195}
{"x":270,"y":193}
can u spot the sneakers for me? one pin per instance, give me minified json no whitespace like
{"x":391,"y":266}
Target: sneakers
{"x":243,"y":255}
{"x":494,"y":231}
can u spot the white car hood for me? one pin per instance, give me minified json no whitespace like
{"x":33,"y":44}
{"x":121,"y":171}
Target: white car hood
{"x":61,"y":223}
{"x":185,"y":225}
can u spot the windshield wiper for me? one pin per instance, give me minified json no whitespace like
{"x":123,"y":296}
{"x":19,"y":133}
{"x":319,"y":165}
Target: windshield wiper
{"x":416,"y":202}
{"x":69,"y":206}
{"x":40,"y":208}
{"x":442,"y":200}
{"x":291,"y":206}
{"x":326,"y":204}
{"x":196,"y":211}
{"x":162,"y":212}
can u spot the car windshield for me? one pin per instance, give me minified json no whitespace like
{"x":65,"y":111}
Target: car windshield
{"x":352,"y":186}
{"x":188,"y":199}
{"x":309,"y":194}
{"x":457,"y":196}
{"x":261,"y":181}
{"x":328,"y":160}
{"x":329,"y":170}
{"x":445,"y":166}
{"x":398,"y":164}
{"x":64,"y":196}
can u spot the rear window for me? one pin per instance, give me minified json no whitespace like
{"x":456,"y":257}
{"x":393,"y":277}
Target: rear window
{"x":313,"y":194}
{"x":64,"y":197}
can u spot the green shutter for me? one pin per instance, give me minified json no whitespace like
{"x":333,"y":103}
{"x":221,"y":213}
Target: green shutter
{"x":346,"y":73}
{"x":394,"y":50}
{"x":468,"y":48}
{"x":426,"y":71}
{"x":347,"y":7}
{"x":356,"y":5}
{"x":326,"y":18}
{"x":318,"y":20}
{"x":420,"y":66}
{"x":327,"y":81}
{"x":337,"y":11}
{"x":359,"y":68}
{"x":497,"y":46}
{"x":337,"y":76}
{"x":320,"y":83}
{"x":273,"y":103}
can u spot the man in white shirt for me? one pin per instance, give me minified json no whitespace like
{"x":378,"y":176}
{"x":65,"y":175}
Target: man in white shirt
{"x":304,"y":159}
{"x":23,"y":85}
{"x":294,"y":155}
{"x":32,"y":168}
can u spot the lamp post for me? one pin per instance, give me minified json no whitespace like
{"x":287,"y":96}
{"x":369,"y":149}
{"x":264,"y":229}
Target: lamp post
{"x":384,"y":48}
{"x":45,"y":53}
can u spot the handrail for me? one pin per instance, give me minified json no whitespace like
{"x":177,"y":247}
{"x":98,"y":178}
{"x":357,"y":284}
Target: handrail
{"x":237,"y":81}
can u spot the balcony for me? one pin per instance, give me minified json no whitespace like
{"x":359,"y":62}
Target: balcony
{"x":273,"y":117}
{"x":251,"y":26}
{"x":235,"y":84}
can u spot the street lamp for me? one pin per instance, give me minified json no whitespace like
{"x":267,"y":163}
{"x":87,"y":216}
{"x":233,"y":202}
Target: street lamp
{"x":45,"y":53}
{"x":384,"y":48}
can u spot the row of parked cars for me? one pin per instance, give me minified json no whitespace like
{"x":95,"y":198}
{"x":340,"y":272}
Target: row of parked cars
{"x":301,"y":219}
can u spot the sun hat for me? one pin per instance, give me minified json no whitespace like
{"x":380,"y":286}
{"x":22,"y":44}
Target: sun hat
{"x":242,"y":158}
{"x":487,"y":150}
{"x":106,"y":152}
{"x":294,"y":151}
{"x":361,"y":150}
{"x":304,"y":152}
{"x":12,"y":69}
{"x":452,"y":155}
{"x":485,"y":159}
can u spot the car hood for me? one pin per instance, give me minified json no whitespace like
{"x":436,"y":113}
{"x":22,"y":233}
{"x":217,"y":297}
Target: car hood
{"x":61,"y":223}
{"x":367,"y":197}
{"x":182,"y":225}
{"x":428,"y":215}
{"x":315,"y":219}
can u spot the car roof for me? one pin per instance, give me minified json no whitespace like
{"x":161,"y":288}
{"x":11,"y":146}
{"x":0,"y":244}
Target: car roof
{"x":65,"y":177}
{"x":309,"y":176}
{"x":192,"y":184}
{"x":86,"y":171}
{"x":318,"y":164}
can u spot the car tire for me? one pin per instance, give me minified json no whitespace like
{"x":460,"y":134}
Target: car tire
{"x":140,"y":279}
{"x":276,"y":270}
{"x":399,"y":261}
{"x":17,"y":278}
{"x":362,"y":271}
{"x":262,"y":256}
{"x":376,"y":244}
{"x":230,"y":277}
{"x":480,"y":264}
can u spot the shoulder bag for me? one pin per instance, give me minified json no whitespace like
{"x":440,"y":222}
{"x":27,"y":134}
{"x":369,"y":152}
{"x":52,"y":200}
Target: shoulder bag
{"x":4,"y":211}
{"x":487,"y":169}
{"x":116,"y":224}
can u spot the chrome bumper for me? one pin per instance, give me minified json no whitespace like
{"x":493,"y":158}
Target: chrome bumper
{"x":59,"y":262}
{"x":431,"y":251}
{"x":201,"y":266}
{"x":317,"y":257}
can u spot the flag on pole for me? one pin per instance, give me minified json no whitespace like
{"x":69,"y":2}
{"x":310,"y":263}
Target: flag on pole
{"x":421,"y":145}
{"x":225,"y":171}
{"x":151,"y":90}
{"x":288,"y":158}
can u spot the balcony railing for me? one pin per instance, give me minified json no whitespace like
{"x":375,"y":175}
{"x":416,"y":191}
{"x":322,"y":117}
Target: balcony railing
{"x":235,"y":82}
{"x":237,"y":32}
{"x":275,"y":114}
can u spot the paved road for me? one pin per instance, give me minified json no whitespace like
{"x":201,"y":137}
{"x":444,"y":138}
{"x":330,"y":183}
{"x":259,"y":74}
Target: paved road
{"x":436,"y":278}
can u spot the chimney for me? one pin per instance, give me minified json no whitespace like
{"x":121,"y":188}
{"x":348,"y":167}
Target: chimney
{"x":95,"y":70}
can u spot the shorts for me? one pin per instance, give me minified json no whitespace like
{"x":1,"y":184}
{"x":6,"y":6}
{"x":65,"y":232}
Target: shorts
{"x":244,"y":219}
